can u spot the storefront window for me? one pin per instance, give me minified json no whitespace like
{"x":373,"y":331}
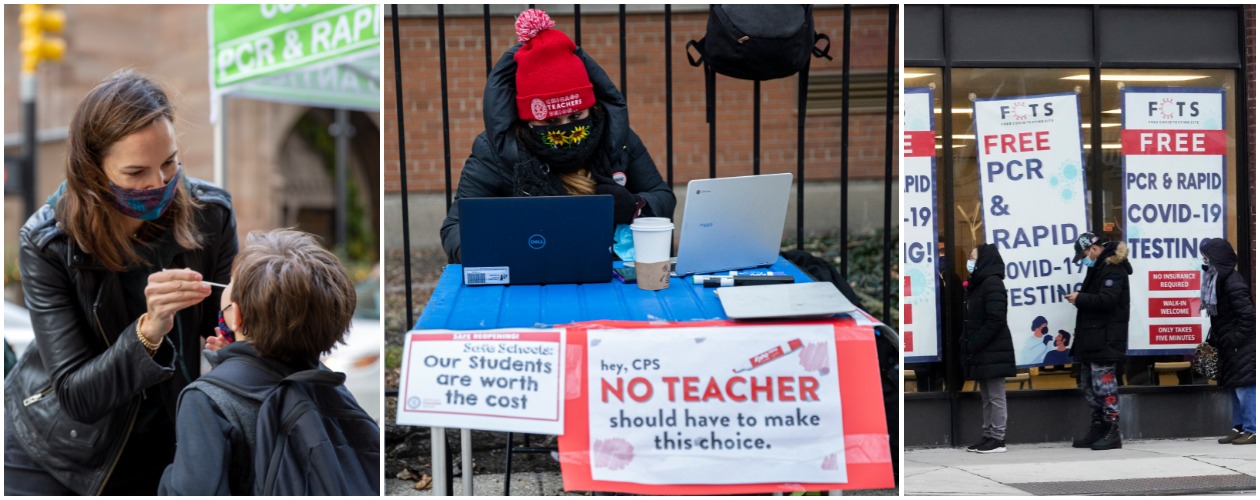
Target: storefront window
{"x":1113,"y":80}
{"x":968,"y":84}
{"x":922,"y":375}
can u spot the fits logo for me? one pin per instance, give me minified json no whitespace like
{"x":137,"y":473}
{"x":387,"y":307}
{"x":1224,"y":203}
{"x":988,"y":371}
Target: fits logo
{"x":1022,"y":111}
{"x":537,"y":242}
{"x":1168,"y":109}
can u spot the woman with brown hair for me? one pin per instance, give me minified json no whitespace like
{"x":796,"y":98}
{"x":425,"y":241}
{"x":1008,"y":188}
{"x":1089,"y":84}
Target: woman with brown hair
{"x":112,"y":272}
{"x":556,"y":125}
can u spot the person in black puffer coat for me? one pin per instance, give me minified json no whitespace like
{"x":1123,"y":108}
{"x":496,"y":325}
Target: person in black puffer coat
{"x":1102,"y":334}
{"x":989,"y":354}
{"x":1227,"y":299}
{"x":556,"y":125}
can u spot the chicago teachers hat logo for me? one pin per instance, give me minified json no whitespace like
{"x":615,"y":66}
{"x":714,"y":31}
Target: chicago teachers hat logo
{"x":538,"y":108}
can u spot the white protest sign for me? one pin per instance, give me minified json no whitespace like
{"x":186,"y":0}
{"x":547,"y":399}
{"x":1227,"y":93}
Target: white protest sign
{"x":500,"y":380}
{"x":1174,"y":147}
{"x":715,"y":405}
{"x":920,"y":316}
{"x":1032,"y":192}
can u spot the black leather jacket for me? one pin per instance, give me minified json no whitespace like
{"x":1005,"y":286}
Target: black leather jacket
{"x":74,"y":396}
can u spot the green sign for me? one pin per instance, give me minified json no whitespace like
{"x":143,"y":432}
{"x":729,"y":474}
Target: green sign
{"x":253,"y":42}
{"x":341,"y":86}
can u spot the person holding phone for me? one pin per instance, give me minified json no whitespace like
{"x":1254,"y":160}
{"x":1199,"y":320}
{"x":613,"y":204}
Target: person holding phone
{"x":1102,"y":334}
{"x":113,"y":270}
{"x":556,"y":125}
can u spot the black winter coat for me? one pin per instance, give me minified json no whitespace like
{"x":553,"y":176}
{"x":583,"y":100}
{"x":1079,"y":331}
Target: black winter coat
{"x":988,"y":351}
{"x":74,"y":396}
{"x":1102,"y":308}
{"x":489,"y":171}
{"x":1233,"y":331}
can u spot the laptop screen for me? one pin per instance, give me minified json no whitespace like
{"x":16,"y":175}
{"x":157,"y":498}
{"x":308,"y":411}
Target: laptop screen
{"x":536,"y":240}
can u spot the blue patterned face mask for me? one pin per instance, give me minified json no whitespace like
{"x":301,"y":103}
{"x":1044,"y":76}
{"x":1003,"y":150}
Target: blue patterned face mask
{"x":223,"y":326}
{"x":971,"y":266}
{"x":146,"y":204}
{"x":1088,"y":261}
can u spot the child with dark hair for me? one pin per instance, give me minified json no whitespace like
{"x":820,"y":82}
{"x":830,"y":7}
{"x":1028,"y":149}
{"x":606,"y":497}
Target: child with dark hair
{"x":289,"y":301}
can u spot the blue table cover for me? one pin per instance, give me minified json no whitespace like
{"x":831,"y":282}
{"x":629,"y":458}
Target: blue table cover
{"x":454,"y":306}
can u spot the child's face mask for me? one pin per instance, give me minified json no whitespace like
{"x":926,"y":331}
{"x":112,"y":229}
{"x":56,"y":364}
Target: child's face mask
{"x":223,"y":326}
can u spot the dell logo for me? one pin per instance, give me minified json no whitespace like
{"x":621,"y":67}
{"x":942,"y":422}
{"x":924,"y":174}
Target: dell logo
{"x":537,"y":241}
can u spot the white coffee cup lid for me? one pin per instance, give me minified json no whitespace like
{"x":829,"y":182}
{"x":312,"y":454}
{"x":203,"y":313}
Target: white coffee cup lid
{"x":652,"y":223}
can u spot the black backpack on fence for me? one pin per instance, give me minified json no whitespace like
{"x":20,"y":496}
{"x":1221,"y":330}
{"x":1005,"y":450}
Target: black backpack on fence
{"x":312,"y":437}
{"x":758,"y":42}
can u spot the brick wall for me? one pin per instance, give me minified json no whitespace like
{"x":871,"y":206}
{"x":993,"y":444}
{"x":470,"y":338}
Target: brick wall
{"x":1251,"y":126}
{"x":422,"y":99}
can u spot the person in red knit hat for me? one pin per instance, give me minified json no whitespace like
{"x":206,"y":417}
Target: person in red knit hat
{"x":556,"y":125}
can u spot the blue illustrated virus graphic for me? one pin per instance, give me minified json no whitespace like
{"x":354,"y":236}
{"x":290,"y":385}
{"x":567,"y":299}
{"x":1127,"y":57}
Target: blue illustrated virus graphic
{"x":916,"y":123}
{"x":921,"y":278}
{"x":1070,"y":170}
{"x":1133,"y":231}
{"x":1066,"y":179}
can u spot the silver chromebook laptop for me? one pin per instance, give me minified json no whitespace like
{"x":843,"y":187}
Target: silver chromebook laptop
{"x":732,"y":223}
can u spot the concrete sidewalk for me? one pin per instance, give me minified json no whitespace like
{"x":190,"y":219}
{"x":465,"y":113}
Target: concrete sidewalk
{"x":534,"y":484}
{"x":1163,"y":466}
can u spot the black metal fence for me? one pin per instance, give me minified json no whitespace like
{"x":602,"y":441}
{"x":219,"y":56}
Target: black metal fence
{"x":893,"y":74}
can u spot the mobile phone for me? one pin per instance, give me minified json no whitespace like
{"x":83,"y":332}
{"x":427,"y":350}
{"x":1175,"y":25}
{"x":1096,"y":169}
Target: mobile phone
{"x":625,"y":274}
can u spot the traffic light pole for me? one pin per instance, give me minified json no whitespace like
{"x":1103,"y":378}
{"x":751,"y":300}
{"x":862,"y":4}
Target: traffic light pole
{"x":31,"y":143}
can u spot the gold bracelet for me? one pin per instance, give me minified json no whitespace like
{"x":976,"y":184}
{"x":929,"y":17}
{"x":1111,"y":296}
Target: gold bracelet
{"x":148,"y":346}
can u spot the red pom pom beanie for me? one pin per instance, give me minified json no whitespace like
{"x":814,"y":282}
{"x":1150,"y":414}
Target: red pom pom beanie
{"x":550,"y":79}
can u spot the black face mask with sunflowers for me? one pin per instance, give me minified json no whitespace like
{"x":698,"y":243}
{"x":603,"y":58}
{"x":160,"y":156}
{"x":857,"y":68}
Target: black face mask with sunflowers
{"x":565,"y":148}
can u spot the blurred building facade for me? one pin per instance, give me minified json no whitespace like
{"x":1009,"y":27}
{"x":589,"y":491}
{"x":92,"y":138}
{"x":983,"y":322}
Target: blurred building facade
{"x":278,"y":167}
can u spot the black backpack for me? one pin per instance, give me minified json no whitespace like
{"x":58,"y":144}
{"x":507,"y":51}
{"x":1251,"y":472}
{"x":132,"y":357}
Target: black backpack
{"x":758,"y":42}
{"x":312,"y":437}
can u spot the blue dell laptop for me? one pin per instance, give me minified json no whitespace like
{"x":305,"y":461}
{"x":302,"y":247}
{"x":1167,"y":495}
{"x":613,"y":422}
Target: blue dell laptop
{"x":536,"y":240}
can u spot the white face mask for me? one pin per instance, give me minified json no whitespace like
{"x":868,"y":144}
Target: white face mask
{"x":971,"y":265}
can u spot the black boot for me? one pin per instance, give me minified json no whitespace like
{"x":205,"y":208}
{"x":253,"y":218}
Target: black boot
{"x":1096,"y":432}
{"x":1110,"y":441}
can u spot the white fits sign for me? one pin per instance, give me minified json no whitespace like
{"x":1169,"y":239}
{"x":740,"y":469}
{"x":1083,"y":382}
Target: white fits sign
{"x":920,"y":314}
{"x":1032,"y":191}
{"x":1174,"y":145}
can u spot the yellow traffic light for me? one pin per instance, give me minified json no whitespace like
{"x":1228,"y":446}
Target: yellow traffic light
{"x":36,"y":21}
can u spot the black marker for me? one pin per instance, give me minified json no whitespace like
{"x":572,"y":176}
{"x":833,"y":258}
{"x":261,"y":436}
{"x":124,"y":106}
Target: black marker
{"x":747,"y":281}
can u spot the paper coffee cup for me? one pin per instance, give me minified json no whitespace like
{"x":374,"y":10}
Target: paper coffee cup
{"x":652,"y":238}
